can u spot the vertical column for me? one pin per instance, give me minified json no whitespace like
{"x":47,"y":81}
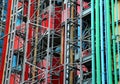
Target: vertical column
{"x":5,"y":44}
{"x":29,"y":28}
{"x":109,"y":42}
{"x":36,"y":40}
{"x":93,"y":40}
{"x":66,"y":50}
{"x":114,"y":43}
{"x":102,"y":42}
{"x":11,"y":42}
{"x":25,"y":68}
{"x":98,"y":69}
{"x":48,"y":43}
{"x":72,"y":29}
{"x":80,"y":38}
{"x":62,"y":45}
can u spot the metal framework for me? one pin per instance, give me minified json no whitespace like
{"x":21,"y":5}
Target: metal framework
{"x":37,"y":58}
{"x":57,"y":41}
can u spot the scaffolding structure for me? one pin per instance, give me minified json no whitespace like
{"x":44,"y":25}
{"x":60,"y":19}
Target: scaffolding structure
{"x":59,"y":42}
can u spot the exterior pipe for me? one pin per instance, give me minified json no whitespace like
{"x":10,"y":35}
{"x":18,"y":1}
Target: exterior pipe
{"x":114,"y":47}
{"x":62,"y":45}
{"x":106,"y":44}
{"x":117,"y":34}
{"x":71,"y":57}
{"x":106,"y":54}
{"x":79,"y":30}
{"x":65,"y":45}
{"x":36,"y":43}
{"x":92,"y":43}
{"x":98,"y":43}
{"x":102,"y":40}
{"x":72,"y":29}
{"x":109,"y":42}
{"x":80,"y":36}
{"x":48,"y":43}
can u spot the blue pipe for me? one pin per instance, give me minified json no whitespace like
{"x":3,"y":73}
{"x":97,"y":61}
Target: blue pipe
{"x":106,"y":44}
{"x":102,"y":40}
{"x":78,"y":34}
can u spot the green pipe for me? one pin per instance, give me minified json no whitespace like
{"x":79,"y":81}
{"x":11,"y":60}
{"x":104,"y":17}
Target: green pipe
{"x":98,"y":42}
{"x":114,"y":46}
{"x":117,"y":34}
{"x":109,"y":42}
{"x":92,"y":43}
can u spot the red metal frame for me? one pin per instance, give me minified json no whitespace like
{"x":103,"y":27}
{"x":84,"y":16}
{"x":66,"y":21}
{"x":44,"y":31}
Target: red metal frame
{"x":5,"y":44}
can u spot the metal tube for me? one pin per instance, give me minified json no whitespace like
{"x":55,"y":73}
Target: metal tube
{"x":36,"y":43}
{"x":62,"y":45}
{"x":117,"y":23}
{"x":72,"y":15}
{"x":102,"y":42}
{"x":48,"y":43}
{"x":98,"y":43}
{"x":117,"y":34}
{"x":93,"y":41}
{"x":108,"y":42}
{"x":81,"y":10}
{"x":114,"y":46}
{"x":66,"y":61}
{"x":26,"y":44}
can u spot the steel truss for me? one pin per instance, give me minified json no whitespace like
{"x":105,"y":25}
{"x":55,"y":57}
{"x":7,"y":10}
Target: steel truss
{"x":39,"y":42}
{"x":51,"y":41}
{"x":37,"y":58}
{"x":76,"y":43}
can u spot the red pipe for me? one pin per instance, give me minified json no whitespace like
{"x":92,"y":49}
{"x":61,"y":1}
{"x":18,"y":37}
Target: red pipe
{"x":5,"y":44}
